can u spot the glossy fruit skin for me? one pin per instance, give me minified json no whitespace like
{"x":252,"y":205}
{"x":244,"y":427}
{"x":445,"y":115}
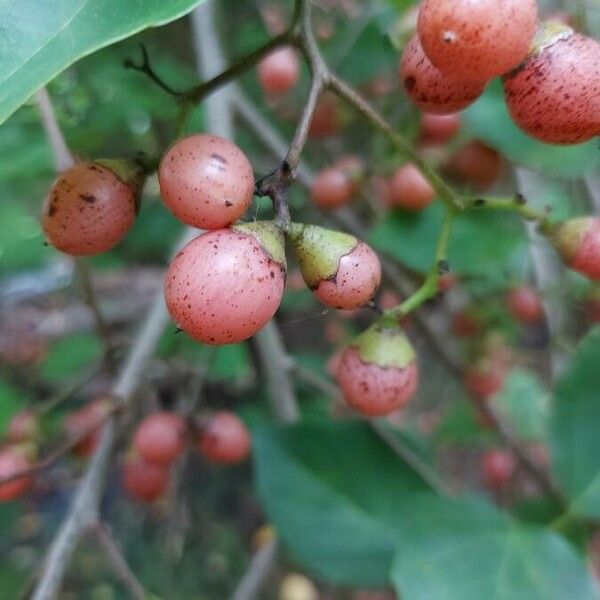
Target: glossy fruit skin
{"x":23,"y":427}
{"x":497,"y":468}
{"x":431,"y":90}
{"x":278,"y":72}
{"x":439,"y":129}
{"x":88,"y":211}
{"x":525,"y":305}
{"x":160,"y":438}
{"x":476,"y":164}
{"x":578,"y":241}
{"x":206,"y":181}
{"x":331,"y":188}
{"x":409,"y":189}
{"x":87,"y":419}
{"x":555,"y":95}
{"x":374,"y":390}
{"x":144,"y":481}
{"x":477,"y":40}
{"x":12,"y":462}
{"x":225,"y":439}
{"x":223,"y":287}
{"x":356,"y":281}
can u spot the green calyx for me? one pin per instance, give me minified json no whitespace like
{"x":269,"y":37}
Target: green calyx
{"x":567,"y":236}
{"x":384,"y":346}
{"x":269,"y":236}
{"x":319,"y":251}
{"x":548,"y":33}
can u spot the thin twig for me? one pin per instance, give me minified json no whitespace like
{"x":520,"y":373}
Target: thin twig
{"x":117,"y":560}
{"x":145,"y":67}
{"x":260,"y":567}
{"x":63,"y":159}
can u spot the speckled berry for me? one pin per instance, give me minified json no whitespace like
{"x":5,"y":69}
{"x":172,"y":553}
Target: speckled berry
{"x":554,"y":96}
{"x":206,"y":181}
{"x":525,"y":305}
{"x":144,"y":481}
{"x":341,"y":271}
{"x":11,"y":463}
{"x":578,"y":242}
{"x":91,"y":207}
{"x":477,"y":40}
{"x":160,"y":438}
{"x":378,"y":372}
{"x":429,"y":88}
{"x":225,"y":285}
{"x":409,"y":189}
{"x":224,"y":439}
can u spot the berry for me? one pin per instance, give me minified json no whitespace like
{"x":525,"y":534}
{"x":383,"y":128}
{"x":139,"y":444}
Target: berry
{"x":476,"y":164}
{"x":206,"y":181}
{"x":554,"y":96}
{"x":341,"y":271}
{"x":226,"y":285}
{"x":87,"y":422}
{"x":409,"y":189}
{"x":439,"y":129}
{"x":524,"y":304}
{"x":446,"y":281}
{"x":278,"y":72}
{"x":325,"y":120}
{"x":23,"y":427}
{"x":12,"y":462}
{"x":143,"y":480}
{"x":485,"y":378}
{"x":331,"y":188}
{"x":497,"y":468}
{"x":429,"y":88}
{"x":465,"y":324}
{"x":160,"y":438}
{"x":476,"y":40}
{"x":578,"y":242}
{"x":378,"y":372}
{"x":353,"y":167}
{"x":224,"y":439}
{"x":91,"y":207}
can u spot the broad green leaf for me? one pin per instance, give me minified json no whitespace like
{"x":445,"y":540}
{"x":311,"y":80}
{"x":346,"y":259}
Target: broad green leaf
{"x":489,"y":558}
{"x":337,"y":497}
{"x":488,"y":120}
{"x":525,"y":404}
{"x":41,"y":38}
{"x":574,"y":427}
{"x":481,"y":243}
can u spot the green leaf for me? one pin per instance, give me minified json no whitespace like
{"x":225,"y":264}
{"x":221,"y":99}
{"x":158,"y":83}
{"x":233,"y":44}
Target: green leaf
{"x":488,"y":119}
{"x":481,"y":242}
{"x":525,"y":405}
{"x":337,"y":497}
{"x":574,"y":427}
{"x":489,"y":557}
{"x":41,"y":39}
{"x":68,"y":356}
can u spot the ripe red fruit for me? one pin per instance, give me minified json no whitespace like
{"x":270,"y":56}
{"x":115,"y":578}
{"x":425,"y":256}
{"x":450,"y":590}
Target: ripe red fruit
{"x":485,"y":378}
{"x":465,"y":324}
{"x":224,"y":439}
{"x":476,"y":164}
{"x":429,"y":88}
{"x":409,"y":189}
{"x":476,"y":40}
{"x":226,"y":285}
{"x":11,"y":463}
{"x":341,"y":271}
{"x":554,"y":96}
{"x":87,"y":422}
{"x":439,"y":129}
{"x":206,"y":181}
{"x":278,"y":72}
{"x":524,"y":304}
{"x":325,"y":121}
{"x":497,"y":468}
{"x":160,"y":438}
{"x":23,"y":427}
{"x":143,"y":480}
{"x":578,"y":242}
{"x":331,"y":188}
{"x":91,"y":207}
{"x":378,"y":371}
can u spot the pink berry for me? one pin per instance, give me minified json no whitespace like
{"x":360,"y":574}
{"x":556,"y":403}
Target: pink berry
{"x":160,"y":438}
{"x":378,"y":372}
{"x":144,"y":481}
{"x":206,"y":181}
{"x":429,"y":88}
{"x":476,"y":40}
{"x":90,"y":208}
{"x":524,"y":304}
{"x":476,"y":164}
{"x":555,"y":95}
{"x":226,"y":285}
{"x":85,"y":425}
{"x":485,"y":378}
{"x":331,"y":188}
{"x":439,"y":129}
{"x":225,"y":439}
{"x":278,"y":72}
{"x":409,"y":189}
{"x":578,"y":242}
{"x":11,"y":463}
{"x":497,"y":468}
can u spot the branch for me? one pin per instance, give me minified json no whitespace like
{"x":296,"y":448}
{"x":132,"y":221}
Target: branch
{"x":145,"y":67}
{"x":260,"y":567}
{"x":63,"y":159}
